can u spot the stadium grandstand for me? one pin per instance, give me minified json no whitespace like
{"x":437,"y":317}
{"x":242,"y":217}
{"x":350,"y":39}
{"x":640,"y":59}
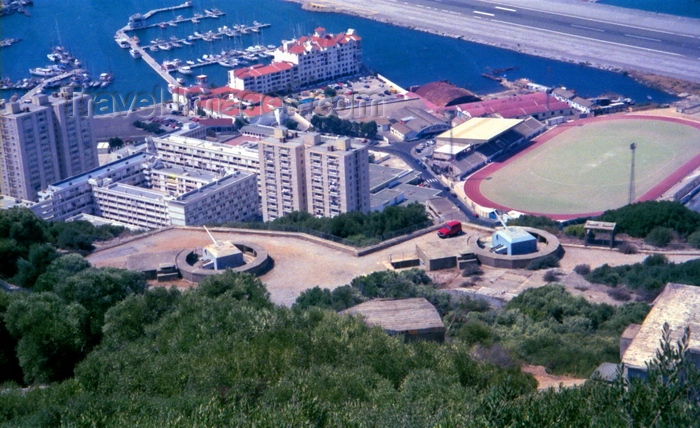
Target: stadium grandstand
{"x":444,"y":94}
{"x":539,"y":105}
{"x":477,"y":141}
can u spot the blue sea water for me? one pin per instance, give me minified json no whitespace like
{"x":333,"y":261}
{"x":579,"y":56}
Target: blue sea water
{"x":407,"y":57}
{"x":689,"y":8}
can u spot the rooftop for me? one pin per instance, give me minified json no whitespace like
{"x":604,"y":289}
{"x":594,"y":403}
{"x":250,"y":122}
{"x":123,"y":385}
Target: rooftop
{"x":514,"y":106}
{"x":480,"y":129}
{"x":444,"y":94}
{"x":135,"y":159}
{"x":398,"y":316}
{"x":258,"y":70}
{"x":381,"y":176}
{"x":515,"y":234}
{"x":209,"y":188}
{"x":319,"y":41}
{"x":134,"y":191}
{"x":600,"y":225}
{"x":679,"y":306}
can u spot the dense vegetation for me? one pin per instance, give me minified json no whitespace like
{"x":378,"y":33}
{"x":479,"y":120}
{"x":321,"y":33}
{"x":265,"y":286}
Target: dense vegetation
{"x":353,"y":228}
{"x":640,"y":219}
{"x":223,"y":355}
{"x":107,"y":351}
{"x":28,"y":244}
{"x":650,"y":275}
{"x":545,"y":326}
{"x":335,"y":125}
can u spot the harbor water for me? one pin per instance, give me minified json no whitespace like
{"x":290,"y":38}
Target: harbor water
{"x":408,"y":57}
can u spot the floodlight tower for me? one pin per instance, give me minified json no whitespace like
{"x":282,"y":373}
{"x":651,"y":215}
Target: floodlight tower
{"x":633,"y":147}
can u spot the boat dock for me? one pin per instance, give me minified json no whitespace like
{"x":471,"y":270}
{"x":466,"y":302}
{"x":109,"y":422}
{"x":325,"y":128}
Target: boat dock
{"x":146,"y":57}
{"x":40,"y":87}
{"x":184,"y":5}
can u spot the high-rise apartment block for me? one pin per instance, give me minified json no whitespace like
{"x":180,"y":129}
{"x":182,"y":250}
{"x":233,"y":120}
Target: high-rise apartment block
{"x":324,"y":176}
{"x":45,"y":141}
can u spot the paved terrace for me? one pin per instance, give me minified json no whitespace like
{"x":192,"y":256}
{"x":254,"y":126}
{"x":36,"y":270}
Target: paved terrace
{"x":301,"y":264}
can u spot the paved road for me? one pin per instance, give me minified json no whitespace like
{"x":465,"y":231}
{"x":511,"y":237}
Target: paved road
{"x":570,"y":30}
{"x":403,"y":151}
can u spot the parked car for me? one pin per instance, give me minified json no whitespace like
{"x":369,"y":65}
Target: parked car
{"x":451,"y":228}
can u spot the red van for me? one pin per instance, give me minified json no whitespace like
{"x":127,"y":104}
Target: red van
{"x":451,"y":228}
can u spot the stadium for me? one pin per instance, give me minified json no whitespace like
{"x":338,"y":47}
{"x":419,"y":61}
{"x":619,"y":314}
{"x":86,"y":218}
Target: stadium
{"x":583,"y":168}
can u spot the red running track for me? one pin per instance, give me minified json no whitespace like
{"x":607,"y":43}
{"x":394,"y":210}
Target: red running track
{"x":473,"y":183}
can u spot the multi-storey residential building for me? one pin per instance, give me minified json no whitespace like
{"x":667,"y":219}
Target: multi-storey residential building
{"x":231,"y":198}
{"x":206,"y":155}
{"x":73,"y":196}
{"x":275,"y":77}
{"x":282,"y":175}
{"x":337,"y":178}
{"x":45,"y":141}
{"x":320,"y":175}
{"x":323,"y":56}
{"x":144,"y":191}
{"x":303,"y":61}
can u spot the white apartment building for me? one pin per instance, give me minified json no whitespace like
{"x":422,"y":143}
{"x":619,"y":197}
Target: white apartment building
{"x":303,"y":61}
{"x":144,"y":191}
{"x":45,"y":141}
{"x":265,"y":79}
{"x":206,"y":155}
{"x":323,"y":56}
{"x":282,"y":175}
{"x":324,"y":176}
{"x":337,"y":178}
{"x":232,"y":198}
{"x":73,"y":196}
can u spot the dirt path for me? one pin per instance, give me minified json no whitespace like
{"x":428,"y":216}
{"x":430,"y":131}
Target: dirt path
{"x":546,"y":380}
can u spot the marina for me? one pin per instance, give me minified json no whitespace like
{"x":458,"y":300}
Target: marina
{"x":414,"y":58}
{"x":227,"y":58}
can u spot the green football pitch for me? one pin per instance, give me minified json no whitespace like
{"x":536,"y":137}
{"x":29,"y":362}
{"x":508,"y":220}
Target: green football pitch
{"x":586,"y":168}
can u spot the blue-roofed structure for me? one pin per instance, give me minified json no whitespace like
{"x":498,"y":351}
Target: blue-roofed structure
{"x":513,"y":241}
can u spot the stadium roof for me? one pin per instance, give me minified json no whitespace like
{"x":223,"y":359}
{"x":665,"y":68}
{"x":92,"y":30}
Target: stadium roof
{"x":479,"y":129}
{"x":679,"y":306}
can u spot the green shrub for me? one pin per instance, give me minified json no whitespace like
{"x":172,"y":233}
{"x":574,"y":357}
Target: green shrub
{"x":694,"y":239}
{"x":627,"y":248}
{"x":619,"y":293}
{"x":543,"y":263}
{"x":659,"y":236}
{"x":550,"y":276}
{"x":582,"y":269}
{"x":472,"y":270}
{"x":575,"y":230}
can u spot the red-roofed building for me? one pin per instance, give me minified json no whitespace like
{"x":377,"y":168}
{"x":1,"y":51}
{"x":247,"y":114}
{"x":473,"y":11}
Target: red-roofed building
{"x":539,"y":105}
{"x":300,"y":62}
{"x":276,"y":77}
{"x":323,"y":56}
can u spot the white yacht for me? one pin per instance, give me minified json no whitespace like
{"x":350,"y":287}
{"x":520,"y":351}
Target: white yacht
{"x":135,"y":53}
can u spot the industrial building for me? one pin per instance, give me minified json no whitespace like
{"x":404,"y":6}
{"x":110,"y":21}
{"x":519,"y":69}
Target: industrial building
{"x":412,"y":124}
{"x":444,"y":94}
{"x":45,"y":141}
